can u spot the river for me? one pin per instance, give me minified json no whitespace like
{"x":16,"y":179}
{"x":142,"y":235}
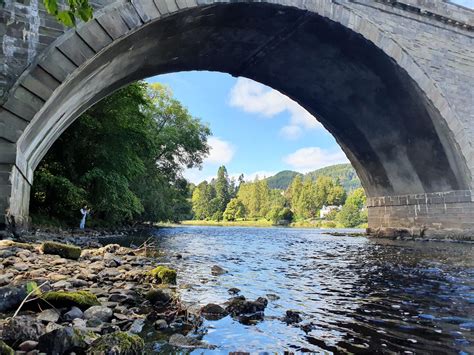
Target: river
{"x":354,"y":294}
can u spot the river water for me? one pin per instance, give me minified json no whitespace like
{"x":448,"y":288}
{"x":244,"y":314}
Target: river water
{"x":354,"y":294}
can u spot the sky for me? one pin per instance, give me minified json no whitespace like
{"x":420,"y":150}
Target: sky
{"x":256,"y":130}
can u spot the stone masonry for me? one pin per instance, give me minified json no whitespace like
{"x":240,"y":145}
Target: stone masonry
{"x":393,"y":81}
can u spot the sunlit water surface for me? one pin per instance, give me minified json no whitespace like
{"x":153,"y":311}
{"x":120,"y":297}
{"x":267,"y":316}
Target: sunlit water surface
{"x":355,"y":294}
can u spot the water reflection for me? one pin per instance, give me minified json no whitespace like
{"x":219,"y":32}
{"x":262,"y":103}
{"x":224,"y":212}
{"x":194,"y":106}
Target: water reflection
{"x":355,"y":295}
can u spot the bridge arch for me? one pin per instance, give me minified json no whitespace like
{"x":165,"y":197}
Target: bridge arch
{"x":393,"y":122}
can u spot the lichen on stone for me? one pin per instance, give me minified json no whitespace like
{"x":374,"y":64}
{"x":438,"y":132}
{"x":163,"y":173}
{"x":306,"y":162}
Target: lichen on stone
{"x":162,"y":274}
{"x":5,"y":349}
{"x":64,"y":250}
{"x":117,"y":343}
{"x":81,"y":299}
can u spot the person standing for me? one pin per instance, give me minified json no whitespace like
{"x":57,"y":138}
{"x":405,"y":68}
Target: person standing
{"x":85,"y":212}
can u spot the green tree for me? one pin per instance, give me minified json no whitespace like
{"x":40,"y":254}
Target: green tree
{"x":222,"y":187}
{"x":125,"y":157}
{"x":293,"y":194}
{"x":351,"y":214}
{"x":202,"y":197}
{"x":235,"y":210}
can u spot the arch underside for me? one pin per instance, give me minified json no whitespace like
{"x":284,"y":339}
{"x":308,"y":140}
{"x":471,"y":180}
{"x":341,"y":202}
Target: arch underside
{"x":394,"y":137}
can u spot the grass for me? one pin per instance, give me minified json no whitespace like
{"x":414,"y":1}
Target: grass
{"x":259,"y":223}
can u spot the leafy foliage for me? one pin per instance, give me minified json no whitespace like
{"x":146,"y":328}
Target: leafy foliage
{"x":302,"y":201}
{"x":71,"y":12}
{"x":125,"y":158}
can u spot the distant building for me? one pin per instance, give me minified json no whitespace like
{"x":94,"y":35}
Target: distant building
{"x":326,"y":209}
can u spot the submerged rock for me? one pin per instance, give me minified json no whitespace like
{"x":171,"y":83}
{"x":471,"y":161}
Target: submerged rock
{"x":216,"y":270}
{"x":247,"y":312}
{"x":11,"y":297}
{"x":63,"y":250}
{"x":117,"y":343}
{"x":181,"y":341}
{"x":213,"y":311}
{"x":81,"y":299}
{"x":292,"y":317}
{"x":233,"y":291}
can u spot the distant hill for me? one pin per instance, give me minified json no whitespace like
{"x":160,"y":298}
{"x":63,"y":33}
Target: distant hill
{"x":344,"y":172}
{"x":282,"y":180}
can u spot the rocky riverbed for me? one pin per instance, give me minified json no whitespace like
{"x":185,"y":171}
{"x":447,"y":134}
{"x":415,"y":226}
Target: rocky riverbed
{"x":84,"y":298}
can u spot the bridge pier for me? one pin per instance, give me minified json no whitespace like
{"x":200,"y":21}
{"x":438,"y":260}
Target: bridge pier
{"x":14,"y":198}
{"x":436,"y":215}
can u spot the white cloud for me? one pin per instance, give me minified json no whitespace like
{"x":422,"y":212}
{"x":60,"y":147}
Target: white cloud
{"x":254,"y":97}
{"x":221,"y":151}
{"x":312,"y":158}
{"x":291,"y":131}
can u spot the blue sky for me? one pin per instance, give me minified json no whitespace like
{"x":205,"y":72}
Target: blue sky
{"x":255,"y":129}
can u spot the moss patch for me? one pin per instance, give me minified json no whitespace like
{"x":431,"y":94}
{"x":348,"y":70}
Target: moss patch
{"x":81,"y":299}
{"x":5,"y":349}
{"x":122,"y":344}
{"x":163,"y":274}
{"x":64,"y":250}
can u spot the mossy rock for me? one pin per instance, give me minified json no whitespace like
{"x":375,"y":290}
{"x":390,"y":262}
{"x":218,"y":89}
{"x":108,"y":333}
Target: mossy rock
{"x":5,"y":349}
{"x":162,"y":274}
{"x":13,"y":244}
{"x":81,"y":299}
{"x":117,"y":343}
{"x":64,"y":250}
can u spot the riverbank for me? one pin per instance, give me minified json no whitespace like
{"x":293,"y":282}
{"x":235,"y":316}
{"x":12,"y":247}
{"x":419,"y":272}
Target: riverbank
{"x":318,"y":224}
{"x":57,"y":298}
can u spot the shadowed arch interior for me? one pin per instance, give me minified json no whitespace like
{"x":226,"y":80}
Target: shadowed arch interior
{"x":389,"y":130}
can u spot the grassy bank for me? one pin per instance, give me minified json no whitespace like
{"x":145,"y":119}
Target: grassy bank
{"x":259,"y":223}
{"x":265,"y":223}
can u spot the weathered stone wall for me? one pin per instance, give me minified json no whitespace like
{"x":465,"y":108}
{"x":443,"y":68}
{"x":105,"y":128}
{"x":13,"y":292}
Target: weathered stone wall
{"x":435,"y":215}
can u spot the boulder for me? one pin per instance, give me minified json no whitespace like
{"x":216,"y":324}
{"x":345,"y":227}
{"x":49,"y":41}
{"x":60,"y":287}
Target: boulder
{"x":73,"y":313}
{"x":11,"y":297}
{"x":213,"y":311}
{"x":117,"y":343}
{"x":101,"y":313}
{"x":81,"y":299}
{"x":23,"y":328}
{"x":162,"y":275}
{"x":66,"y":340}
{"x":64,"y":250}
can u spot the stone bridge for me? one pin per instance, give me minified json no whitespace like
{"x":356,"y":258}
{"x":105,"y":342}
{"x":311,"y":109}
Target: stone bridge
{"x":393,"y":81}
